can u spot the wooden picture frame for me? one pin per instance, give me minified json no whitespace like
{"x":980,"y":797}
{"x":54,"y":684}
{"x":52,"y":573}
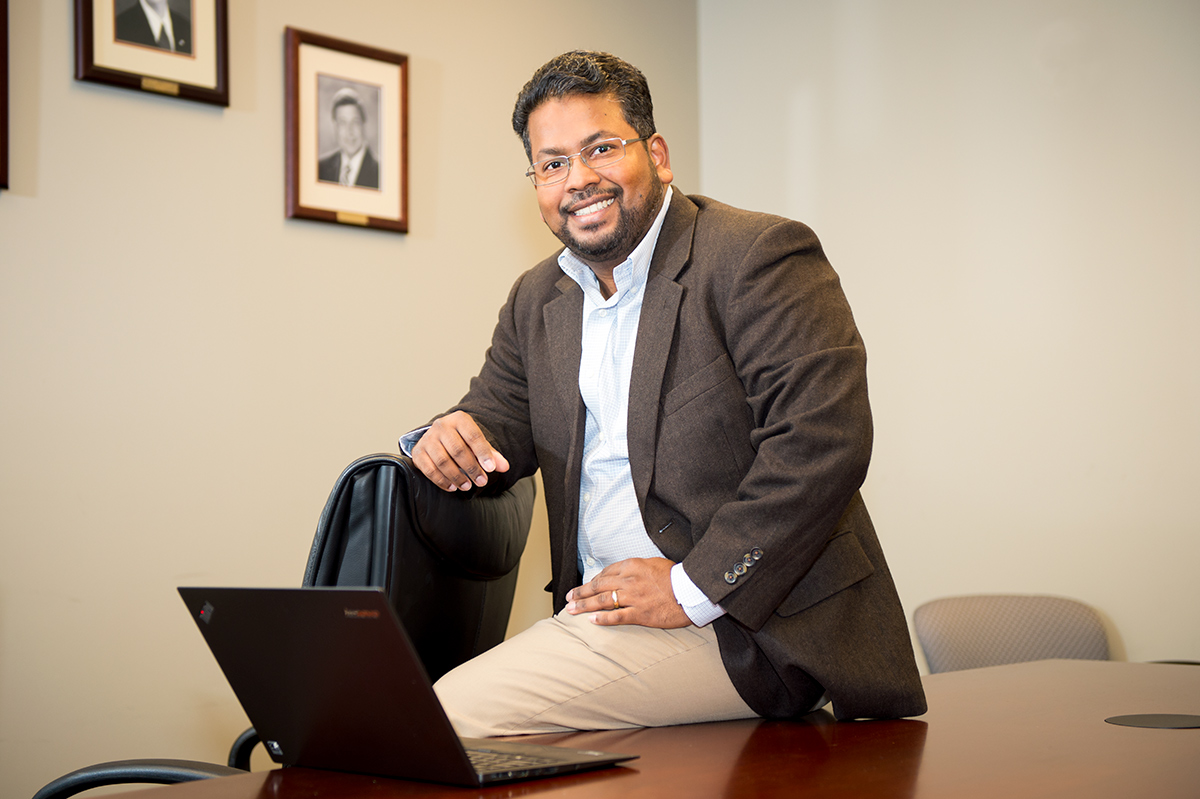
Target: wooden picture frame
{"x":115,"y":44}
{"x":3,"y":94}
{"x":346,"y":132}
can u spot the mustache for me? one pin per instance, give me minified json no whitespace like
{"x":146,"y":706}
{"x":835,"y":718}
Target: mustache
{"x":585,"y":197}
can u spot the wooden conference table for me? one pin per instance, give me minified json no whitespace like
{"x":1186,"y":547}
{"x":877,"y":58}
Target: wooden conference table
{"x":1026,"y":730}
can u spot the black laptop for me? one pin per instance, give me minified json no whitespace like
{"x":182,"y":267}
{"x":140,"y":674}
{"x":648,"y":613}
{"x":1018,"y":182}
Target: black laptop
{"x":330,"y":680}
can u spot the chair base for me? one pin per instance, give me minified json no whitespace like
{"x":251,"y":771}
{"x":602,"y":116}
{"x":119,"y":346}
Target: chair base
{"x":160,"y":772}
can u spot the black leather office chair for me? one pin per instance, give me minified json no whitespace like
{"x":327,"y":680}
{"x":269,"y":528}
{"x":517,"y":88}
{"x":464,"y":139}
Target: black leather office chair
{"x":448,"y":562}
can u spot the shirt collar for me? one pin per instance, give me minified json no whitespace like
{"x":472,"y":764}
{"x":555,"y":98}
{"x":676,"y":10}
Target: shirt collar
{"x":630,"y":275}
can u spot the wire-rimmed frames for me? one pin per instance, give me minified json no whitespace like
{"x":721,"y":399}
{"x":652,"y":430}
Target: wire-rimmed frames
{"x":596,"y":155}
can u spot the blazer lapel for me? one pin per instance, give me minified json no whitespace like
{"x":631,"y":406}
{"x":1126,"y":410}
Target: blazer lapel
{"x":563,"y":317}
{"x":656,"y":331}
{"x":563,"y":320}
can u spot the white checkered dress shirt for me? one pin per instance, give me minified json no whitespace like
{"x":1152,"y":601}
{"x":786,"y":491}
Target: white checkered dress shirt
{"x":610,"y":524}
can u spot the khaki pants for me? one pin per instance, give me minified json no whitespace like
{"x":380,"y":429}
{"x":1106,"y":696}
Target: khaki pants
{"x":567,"y":673}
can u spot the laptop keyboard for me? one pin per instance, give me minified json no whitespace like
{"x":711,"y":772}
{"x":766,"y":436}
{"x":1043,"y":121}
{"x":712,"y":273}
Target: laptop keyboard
{"x":485,"y":761}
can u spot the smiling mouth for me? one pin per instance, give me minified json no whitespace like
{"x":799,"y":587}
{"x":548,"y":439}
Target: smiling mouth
{"x":594,"y":208}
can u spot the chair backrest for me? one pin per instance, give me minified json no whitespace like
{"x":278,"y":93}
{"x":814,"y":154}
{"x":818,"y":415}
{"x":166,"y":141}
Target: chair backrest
{"x":447,"y":560}
{"x":970,"y":632}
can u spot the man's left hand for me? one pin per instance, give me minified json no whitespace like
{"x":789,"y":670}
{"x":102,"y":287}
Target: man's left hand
{"x":643,"y":591}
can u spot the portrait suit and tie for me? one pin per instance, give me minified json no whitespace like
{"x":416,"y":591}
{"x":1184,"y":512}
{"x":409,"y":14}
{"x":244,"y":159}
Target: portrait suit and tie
{"x":154,"y":23}
{"x":352,"y":163}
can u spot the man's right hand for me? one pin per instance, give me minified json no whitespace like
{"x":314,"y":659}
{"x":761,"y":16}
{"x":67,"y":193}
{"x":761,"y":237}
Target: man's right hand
{"x":454,"y":453}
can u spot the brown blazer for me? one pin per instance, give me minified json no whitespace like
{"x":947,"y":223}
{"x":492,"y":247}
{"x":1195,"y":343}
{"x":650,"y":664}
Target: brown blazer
{"x":749,"y":436}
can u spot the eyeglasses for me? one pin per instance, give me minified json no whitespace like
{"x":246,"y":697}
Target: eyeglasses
{"x":596,"y":155}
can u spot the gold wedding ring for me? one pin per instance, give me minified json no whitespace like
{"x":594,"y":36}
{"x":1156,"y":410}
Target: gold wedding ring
{"x":616,"y":604}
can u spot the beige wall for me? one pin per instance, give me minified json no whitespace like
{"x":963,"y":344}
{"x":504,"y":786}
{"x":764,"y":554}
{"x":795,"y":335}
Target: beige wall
{"x":1010,"y":191}
{"x":185,"y":373}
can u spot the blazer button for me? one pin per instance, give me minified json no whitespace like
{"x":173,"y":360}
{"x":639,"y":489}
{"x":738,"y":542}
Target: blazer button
{"x":739,"y":569}
{"x":730,"y":578}
{"x":749,"y":561}
{"x":756,"y":553}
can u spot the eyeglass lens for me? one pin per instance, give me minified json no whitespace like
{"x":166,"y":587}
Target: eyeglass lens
{"x":598,"y":154}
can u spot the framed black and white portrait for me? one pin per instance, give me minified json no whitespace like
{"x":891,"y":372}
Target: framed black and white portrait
{"x":173,"y":47}
{"x":347,"y":132}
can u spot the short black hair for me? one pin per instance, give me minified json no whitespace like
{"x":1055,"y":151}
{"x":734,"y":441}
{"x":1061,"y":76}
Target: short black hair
{"x":586,"y":72}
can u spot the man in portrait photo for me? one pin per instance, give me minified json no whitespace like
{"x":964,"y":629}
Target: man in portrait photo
{"x":352,"y":163}
{"x":154,"y":23}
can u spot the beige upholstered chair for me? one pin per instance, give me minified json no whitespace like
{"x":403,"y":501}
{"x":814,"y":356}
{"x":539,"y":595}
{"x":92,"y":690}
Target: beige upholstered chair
{"x":970,"y":632}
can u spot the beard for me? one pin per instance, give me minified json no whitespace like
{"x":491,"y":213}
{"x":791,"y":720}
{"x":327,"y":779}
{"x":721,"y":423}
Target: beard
{"x":632,"y":223}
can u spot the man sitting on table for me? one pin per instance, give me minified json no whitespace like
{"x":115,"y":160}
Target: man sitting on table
{"x":690,"y":381}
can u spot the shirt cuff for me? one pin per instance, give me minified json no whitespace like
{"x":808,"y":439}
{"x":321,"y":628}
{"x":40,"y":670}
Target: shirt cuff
{"x":410,"y":439}
{"x":698,"y":607}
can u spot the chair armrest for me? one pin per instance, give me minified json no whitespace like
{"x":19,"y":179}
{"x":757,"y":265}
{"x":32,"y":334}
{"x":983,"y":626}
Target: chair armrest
{"x":242,"y":749}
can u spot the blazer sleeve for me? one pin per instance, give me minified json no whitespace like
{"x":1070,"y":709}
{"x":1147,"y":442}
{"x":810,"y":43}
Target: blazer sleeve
{"x":802,"y":439}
